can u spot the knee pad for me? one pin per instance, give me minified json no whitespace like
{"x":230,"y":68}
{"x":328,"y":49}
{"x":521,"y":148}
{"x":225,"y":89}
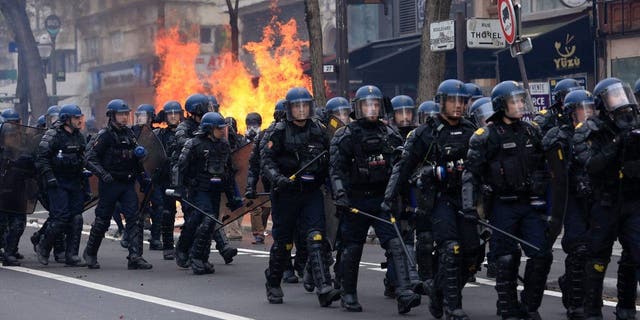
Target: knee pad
{"x":315,"y":237}
{"x":450,"y":247}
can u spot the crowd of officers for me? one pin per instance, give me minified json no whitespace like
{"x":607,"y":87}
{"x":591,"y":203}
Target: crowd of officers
{"x":427,"y":178}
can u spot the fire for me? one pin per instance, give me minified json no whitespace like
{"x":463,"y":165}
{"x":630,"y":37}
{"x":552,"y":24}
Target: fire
{"x":177,"y":78}
{"x":277,"y":59}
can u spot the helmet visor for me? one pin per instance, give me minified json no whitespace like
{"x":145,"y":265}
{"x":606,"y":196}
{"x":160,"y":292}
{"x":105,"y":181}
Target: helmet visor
{"x":141,"y":118}
{"x":518,"y":105}
{"x":583,"y":111}
{"x":342,"y":114}
{"x":483,"y":113}
{"x":221,"y":133}
{"x":423,"y":116}
{"x":122,"y":118}
{"x":299,"y":110}
{"x":51,"y":119}
{"x":405,"y":117}
{"x":616,"y":96}
{"x":370,"y":109}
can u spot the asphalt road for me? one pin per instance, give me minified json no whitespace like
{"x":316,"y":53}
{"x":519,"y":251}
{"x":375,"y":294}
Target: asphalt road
{"x":235,"y":291}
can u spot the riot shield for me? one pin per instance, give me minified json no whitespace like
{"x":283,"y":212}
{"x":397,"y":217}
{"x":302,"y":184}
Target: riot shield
{"x":559,"y":189}
{"x":228,"y":217}
{"x":333,"y":124}
{"x":331,"y":220}
{"x":156,"y":156}
{"x":18,"y":179}
{"x":92,"y":190}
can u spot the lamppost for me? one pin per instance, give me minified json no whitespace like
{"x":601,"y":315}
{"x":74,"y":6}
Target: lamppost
{"x":46,"y":50}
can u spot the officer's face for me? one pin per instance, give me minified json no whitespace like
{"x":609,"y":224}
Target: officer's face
{"x":300,"y":110}
{"x":220,"y":133}
{"x":370,"y":109}
{"x":76,"y":122}
{"x":142,"y":118}
{"x":515,"y":106}
{"x":454,"y":107}
{"x":403,"y":117}
{"x":582,"y":113}
{"x":342,"y":115}
{"x":173,"y":118}
{"x":616,"y":97}
{"x":122,"y":118}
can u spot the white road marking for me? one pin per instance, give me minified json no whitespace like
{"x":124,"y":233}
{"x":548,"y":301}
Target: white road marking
{"x":130,"y":294}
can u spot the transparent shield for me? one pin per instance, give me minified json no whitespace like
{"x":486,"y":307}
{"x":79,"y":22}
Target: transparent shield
{"x":518,"y":105}
{"x":299,"y":110}
{"x":221,"y":133}
{"x":583,"y":111}
{"x":141,"y":118}
{"x":616,"y":96}
{"x":342,"y":114}
{"x":426,"y":115}
{"x":483,"y":113}
{"x":370,"y":109}
{"x":454,"y":106}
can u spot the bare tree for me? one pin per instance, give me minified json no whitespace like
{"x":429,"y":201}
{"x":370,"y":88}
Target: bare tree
{"x":432,"y":64}
{"x":235,"y":33}
{"x":16,"y":17}
{"x":312,"y":16}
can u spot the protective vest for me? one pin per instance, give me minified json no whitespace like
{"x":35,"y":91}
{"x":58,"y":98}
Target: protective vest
{"x":373,"y":157}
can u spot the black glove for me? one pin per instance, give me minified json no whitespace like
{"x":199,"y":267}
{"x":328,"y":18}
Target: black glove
{"x":283,"y":182}
{"x":470,"y":214}
{"x":107,"y":178}
{"x":250,"y":192}
{"x":234,"y":204}
{"x":386,"y":206}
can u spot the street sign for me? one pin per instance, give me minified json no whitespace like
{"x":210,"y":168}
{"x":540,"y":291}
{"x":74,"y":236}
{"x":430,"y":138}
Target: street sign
{"x":507,"y":18}
{"x":484,"y":34}
{"x":539,"y":92}
{"x":328,"y":68}
{"x":52,"y":24}
{"x":442,"y":35}
{"x":520,"y":47}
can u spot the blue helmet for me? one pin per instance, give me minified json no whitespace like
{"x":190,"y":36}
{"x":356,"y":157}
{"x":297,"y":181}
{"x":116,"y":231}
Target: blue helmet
{"x":68,"y":111}
{"x":473,"y":90}
{"x":481,"y":110}
{"x":337,"y":103}
{"x":504,"y":93}
{"x":253,"y":119}
{"x":212,"y":120}
{"x":611,"y":94}
{"x":298,"y":96}
{"x":52,"y":115}
{"x":213,"y":103}
{"x":149,"y":109}
{"x":117,"y":105}
{"x":280,"y":112}
{"x":53,"y":111}
{"x":563,"y":87}
{"x":404,"y":111}
{"x":10,"y":115}
{"x":451,"y":88}
{"x":368,"y":95}
{"x":280,"y":105}
{"x":42,"y":122}
{"x":145,"y":114}
{"x":197,"y":104}
{"x":427,"y":110}
{"x":578,"y":100}
{"x":172,"y":107}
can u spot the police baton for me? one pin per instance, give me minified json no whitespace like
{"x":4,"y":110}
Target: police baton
{"x":494,"y":228}
{"x":392,"y":222}
{"x":173,"y":193}
{"x":307,"y":165}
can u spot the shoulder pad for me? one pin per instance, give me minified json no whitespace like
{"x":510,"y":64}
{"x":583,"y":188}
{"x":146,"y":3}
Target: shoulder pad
{"x":341,"y":133}
{"x":47,"y":138}
{"x":544,"y":111}
{"x":480,"y":136}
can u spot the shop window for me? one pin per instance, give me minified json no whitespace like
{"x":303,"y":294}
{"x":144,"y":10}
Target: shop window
{"x":626,"y":69}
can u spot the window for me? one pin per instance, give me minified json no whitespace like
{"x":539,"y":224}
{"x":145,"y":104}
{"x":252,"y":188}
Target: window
{"x":205,"y":35}
{"x":626,"y":69}
{"x":116,"y":41}
{"x":407,"y":17}
{"x":91,"y":48}
{"x":534,"y":6}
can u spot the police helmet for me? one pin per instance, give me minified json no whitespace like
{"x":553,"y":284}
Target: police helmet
{"x":116,"y":106}
{"x":213,"y":104}
{"x":212,"y":120}
{"x":473,"y":90}
{"x":42,"y":122}
{"x":611,"y":94}
{"x":197,"y":104}
{"x":53,"y":112}
{"x":172,"y":107}
{"x":299,"y":98}
{"x":578,"y":105}
{"x":253,"y":119}
{"x":233,"y":124}
{"x":481,"y":110}
{"x":510,"y":92}
{"x":427,"y":109}
{"x":279,"y":112}
{"x":144,"y":114}
{"x":404,"y":111}
{"x":10,"y":115}
{"x":368,"y":103}
{"x":563,"y":87}
{"x":69,"y":111}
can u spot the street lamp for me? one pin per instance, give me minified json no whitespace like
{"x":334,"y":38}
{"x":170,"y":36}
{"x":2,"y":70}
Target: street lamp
{"x":47,"y":51}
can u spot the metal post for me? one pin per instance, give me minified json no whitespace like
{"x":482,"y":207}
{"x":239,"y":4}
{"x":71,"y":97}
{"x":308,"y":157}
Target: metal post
{"x":342,"y":56}
{"x":52,"y":59}
{"x":460,"y":45}
{"x":594,"y":14}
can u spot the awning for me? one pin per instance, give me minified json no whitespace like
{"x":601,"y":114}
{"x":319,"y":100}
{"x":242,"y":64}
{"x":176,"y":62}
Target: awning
{"x":566,"y":49}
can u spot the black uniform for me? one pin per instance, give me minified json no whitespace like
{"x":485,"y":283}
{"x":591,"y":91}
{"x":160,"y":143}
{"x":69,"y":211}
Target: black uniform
{"x":508,"y":160}
{"x":111,"y":158}
{"x":167,"y":137}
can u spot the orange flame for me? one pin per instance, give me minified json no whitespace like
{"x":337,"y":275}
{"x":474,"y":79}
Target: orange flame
{"x":279,"y":68}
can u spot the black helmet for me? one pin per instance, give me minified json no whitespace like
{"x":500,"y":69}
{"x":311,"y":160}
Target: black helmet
{"x":197,"y":104}
{"x":616,"y":99}
{"x":427,"y":109}
{"x":369,"y":103}
{"x":578,"y":105}
{"x":404,"y":111}
{"x":507,"y":92}
{"x":253,"y":119}
{"x":298,"y":98}
{"x":212,"y":120}
{"x":563,"y":87}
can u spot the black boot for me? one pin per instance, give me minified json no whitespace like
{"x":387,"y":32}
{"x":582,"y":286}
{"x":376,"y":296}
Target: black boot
{"x":224,"y":248}
{"x":138,"y":263}
{"x":351,"y":255}
{"x":320,"y":269}
{"x":595,"y":270}
{"x":416,"y":284}
{"x":278,"y":256}
{"x":53,"y":231}
{"x":73,"y":235}
{"x":405,"y":297}
{"x":168,"y":221}
{"x":627,"y":288}
{"x":572,"y":283}
{"x":506,"y":286}
{"x":535,"y":281}
{"x":424,"y":255}
{"x":200,"y":267}
{"x":201,"y":247}
{"x":307,"y":279}
{"x":450,"y":261}
{"x":59,"y":248}
{"x":134,"y":233}
{"x":16,"y":226}
{"x":182,"y":257}
{"x":436,"y":300}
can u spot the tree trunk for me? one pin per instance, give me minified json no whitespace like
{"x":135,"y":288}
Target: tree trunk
{"x":235,"y":33}
{"x":16,"y":16}
{"x":312,"y":16}
{"x":432,"y":64}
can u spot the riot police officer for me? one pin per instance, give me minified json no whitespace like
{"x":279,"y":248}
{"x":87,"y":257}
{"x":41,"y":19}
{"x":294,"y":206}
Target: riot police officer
{"x":426,"y":110}
{"x":114,"y":157}
{"x":475,"y":93}
{"x":553,"y":116}
{"x":340,"y":108}
{"x":173,"y":114}
{"x":204,"y":166}
{"x":236,"y":140}
{"x":60,"y":162}
{"x":505,"y":161}
{"x":52,"y":115}
{"x":404,"y":114}
{"x":196,"y":105}
{"x":578,"y":106}
{"x":362,"y":155}
{"x":253,"y":121}
{"x":608,"y":146}
{"x":480,"y":111}
{"x":440,"y":146}
{"x":144,"y":116}
{"x":297,"y":201}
